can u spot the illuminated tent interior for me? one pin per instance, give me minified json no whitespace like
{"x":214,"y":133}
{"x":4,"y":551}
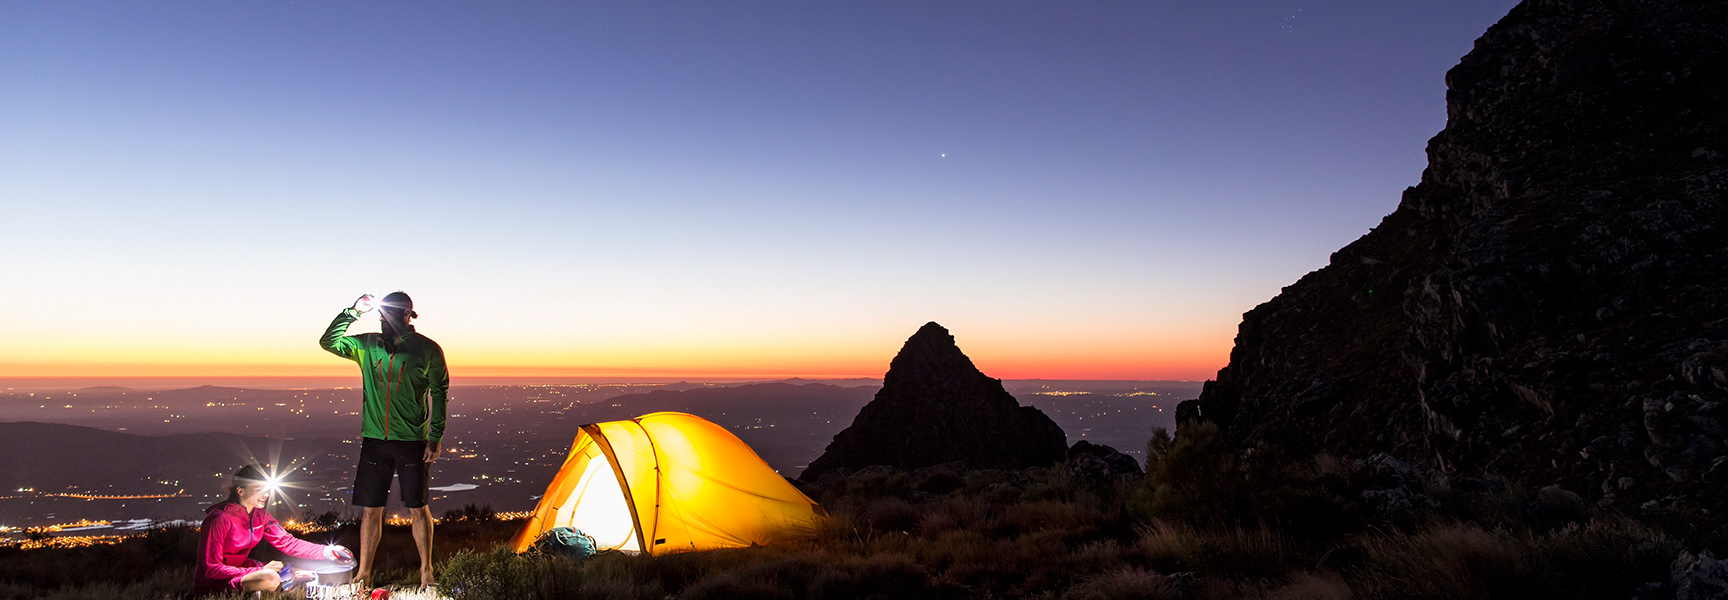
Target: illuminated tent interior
{"x":670,"y":482}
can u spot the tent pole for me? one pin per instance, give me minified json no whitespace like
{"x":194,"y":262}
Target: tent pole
{"x":629,"y":499}
{"x":658,"y":476}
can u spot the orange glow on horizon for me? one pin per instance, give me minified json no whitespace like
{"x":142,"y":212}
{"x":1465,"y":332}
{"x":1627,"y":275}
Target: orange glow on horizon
{"x":1035,"y":354}
{"x":1196,"y":368}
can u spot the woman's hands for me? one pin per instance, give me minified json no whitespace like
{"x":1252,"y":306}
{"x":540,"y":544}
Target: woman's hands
{"x":338,"y":554}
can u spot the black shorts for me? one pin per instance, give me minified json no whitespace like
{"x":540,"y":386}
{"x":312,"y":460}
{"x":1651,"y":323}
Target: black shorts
{"x":380,"y":459}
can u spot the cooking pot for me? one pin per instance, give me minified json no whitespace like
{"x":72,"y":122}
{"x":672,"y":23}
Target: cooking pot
{"x":333,"y":574}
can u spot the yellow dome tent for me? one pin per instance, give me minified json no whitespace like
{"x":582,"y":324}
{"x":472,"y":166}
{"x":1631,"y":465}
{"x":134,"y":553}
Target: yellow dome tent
{"x":669,"y":482}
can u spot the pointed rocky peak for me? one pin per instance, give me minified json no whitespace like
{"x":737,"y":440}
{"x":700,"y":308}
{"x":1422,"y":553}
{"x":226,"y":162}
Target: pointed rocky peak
{"x":930,"y":354}
{"x":934,"y":332}
{"x":936,"y":407}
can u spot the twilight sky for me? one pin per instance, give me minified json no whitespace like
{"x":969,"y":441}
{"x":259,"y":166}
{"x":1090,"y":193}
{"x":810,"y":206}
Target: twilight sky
{"x":1076,"y":189}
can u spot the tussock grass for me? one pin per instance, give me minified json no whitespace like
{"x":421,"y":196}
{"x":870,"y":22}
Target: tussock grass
{"x":1310,"y":586}
{"x":1603,"y":558}
{"x":1234,"y":551}
{"x":1125,"y":584}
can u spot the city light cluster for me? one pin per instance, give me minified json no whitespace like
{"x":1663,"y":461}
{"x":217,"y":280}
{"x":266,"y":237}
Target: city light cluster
{"x":64,"y":541}
{"x":398,"y":521}
{"x":306,"y":527}
{"x":121,"y":496}
{"x":74,"y":525}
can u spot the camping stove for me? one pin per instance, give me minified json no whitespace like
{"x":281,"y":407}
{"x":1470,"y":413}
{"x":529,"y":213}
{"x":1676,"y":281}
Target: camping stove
{"x":334,"y":582}
{"x":344,"y":591}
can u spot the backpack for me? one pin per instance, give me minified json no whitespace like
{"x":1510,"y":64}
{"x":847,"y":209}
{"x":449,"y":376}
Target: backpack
{"x":568,"y":542}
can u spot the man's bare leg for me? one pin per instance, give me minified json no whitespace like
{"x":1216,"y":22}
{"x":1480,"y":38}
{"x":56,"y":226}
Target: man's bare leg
{"x":371,"y":528}
{"x":423,"y":541}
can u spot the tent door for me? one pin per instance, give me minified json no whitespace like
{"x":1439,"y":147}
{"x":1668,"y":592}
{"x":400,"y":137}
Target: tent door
{"x":597,"y":507}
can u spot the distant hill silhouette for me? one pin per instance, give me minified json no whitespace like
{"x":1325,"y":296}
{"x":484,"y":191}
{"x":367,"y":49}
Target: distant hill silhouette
{"x":787,"y":424}
{"x":1548,"y":303}
{"x":935,"y":407}
{"x":760,"y":399}
{"x":54,"y":458}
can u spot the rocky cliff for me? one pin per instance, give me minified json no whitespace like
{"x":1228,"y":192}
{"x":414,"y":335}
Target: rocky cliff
{"x":1550,"y":303}
{"x":936,"y":407}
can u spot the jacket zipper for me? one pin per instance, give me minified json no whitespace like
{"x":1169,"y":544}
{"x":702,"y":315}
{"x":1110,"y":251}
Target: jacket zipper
{"x":387,"y":384}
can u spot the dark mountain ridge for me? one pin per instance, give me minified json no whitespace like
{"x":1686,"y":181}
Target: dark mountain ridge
{"x":1547,"y":304}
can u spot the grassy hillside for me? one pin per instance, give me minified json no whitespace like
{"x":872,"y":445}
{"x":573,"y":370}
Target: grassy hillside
{"x":1201,"y":524}
{"x":1044,"y":534}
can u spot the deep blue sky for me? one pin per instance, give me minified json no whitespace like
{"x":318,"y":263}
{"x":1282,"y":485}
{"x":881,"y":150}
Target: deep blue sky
{"x":1076,"y":189}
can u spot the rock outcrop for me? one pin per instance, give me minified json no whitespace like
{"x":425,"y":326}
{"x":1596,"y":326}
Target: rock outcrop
{"x":1098,"y":464}
{"x":935,"y":407}
{"x":1550,"y":303}
{"x":1699,"y":577}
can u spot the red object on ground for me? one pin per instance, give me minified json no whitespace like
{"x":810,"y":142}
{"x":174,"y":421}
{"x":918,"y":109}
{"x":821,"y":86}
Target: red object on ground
{"x":380,"y":594}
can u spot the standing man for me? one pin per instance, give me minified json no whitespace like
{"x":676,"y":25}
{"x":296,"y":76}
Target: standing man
{"x":402,"y":420}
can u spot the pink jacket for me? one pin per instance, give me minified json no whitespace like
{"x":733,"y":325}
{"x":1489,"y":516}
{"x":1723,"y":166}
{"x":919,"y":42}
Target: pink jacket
{"x":229,"y":534}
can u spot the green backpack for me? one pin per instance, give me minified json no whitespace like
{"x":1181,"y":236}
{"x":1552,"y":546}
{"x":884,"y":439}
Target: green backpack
{"x":566,"y":541}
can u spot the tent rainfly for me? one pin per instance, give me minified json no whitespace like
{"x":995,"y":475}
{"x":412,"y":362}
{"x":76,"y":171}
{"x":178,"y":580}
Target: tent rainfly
{"x":669,"y":482}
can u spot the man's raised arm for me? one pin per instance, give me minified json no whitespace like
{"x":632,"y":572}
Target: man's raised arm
{"x":335,"y":338}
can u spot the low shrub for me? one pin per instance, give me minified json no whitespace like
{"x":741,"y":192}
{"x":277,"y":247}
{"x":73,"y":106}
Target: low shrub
{"x":501,"y":574}
{"x":939,"y":480}
{"x":1193,"y":477}
{"x":890,"y":514}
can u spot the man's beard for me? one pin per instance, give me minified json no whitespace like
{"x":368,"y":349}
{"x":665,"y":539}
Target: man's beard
{"x":392,"y":329}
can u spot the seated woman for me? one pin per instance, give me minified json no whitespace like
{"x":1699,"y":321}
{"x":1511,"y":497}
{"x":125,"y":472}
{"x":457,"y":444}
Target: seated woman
{"x":234,"y":526}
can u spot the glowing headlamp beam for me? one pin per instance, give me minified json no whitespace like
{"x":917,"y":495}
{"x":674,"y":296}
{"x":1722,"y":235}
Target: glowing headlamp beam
{"x":276,"y":477}
{"x":370,"y":302}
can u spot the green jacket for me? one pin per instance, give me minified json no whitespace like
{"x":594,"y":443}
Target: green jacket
{"x":406,"y":392}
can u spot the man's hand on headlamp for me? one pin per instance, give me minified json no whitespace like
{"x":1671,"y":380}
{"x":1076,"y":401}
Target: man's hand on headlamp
{"x":366,"y":303}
